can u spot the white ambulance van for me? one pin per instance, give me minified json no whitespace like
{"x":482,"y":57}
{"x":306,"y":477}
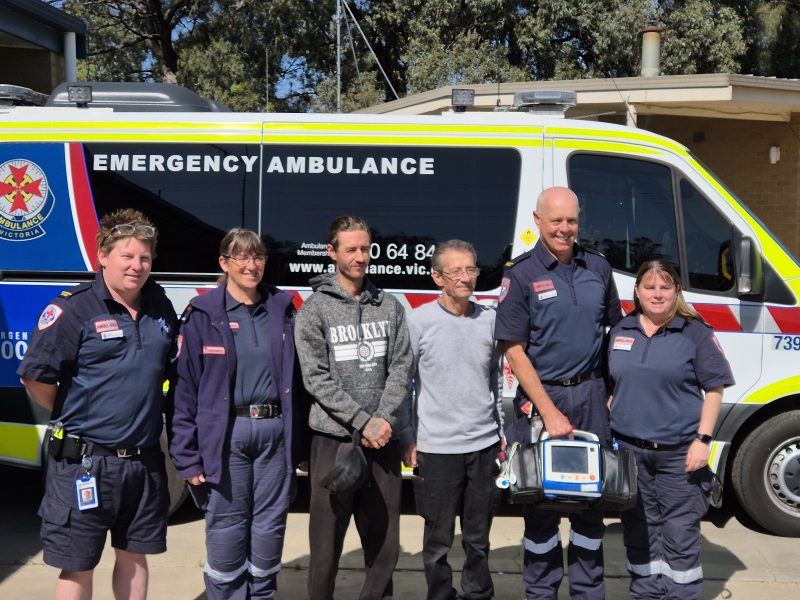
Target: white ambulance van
{"x":417,"y":181}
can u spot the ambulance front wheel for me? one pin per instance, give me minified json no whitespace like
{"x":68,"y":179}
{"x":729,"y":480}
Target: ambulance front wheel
{"x":766,"y":474}
{"x":176,"y":485}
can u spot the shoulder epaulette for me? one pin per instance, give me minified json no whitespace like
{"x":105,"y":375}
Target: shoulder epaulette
{"x":594,"y":251}
{"x":82,"y":287}
{"x":517,"y":259}
{"x":186,"y":312}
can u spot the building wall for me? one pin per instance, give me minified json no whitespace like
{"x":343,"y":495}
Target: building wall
{"x":40,"y":70}
{"x":738,"y":152}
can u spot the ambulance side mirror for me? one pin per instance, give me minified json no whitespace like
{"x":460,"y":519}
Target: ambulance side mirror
{"x":750,"y":270}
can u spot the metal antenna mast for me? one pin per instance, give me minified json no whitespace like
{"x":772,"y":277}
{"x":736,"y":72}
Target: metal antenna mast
{"x":338,"y":56}
{"x":338,"y":18}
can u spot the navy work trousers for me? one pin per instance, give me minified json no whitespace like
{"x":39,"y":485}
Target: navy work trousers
{"x":585,"y":405}
{"x":662,"y":532}
{"x":457,"y":485}
{"x":375,"y":508}
{"x":246,"y":512}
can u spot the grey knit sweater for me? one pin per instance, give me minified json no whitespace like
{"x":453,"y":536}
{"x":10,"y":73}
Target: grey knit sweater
{"x":354,"y":355}
{"x":458,"y":380}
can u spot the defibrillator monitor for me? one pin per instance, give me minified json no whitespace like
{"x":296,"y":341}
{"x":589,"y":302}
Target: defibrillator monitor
{"x":571,"y":468}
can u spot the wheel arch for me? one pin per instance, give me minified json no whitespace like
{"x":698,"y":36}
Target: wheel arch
{"x":742,"y":419}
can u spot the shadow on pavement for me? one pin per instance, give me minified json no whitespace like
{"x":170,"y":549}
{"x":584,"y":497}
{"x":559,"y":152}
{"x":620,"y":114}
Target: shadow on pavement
{"x":18,"y":519}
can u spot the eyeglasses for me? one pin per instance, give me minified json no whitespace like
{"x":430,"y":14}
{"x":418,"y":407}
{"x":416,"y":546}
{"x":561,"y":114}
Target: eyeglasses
{"x":458,"y":273}
{"x":146,"y":231}
{"x":242,"y":261}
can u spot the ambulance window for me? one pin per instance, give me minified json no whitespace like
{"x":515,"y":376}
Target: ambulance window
{"x":193,"y":192}
{"x":627,"y":209}
{"x":709,"y":242}
{"x":411,"y":198}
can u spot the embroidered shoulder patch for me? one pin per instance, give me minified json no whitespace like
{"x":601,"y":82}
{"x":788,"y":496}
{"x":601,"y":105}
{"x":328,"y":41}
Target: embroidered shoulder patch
{"x":49,"y":315}
{"x":504,"y":285}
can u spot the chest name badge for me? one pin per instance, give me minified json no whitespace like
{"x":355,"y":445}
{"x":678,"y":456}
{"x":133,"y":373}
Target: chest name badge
{"x":548,"y":294}
{"x":110,"y":335}
{"x":234,"y":326}
{"x":219,"y":350}
{"x":623,"y":343}
{"x":106,"y":325}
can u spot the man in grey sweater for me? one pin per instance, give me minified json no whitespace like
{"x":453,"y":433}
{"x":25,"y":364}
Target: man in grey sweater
{"x":459,"y":424}
{"x":353,"y":346}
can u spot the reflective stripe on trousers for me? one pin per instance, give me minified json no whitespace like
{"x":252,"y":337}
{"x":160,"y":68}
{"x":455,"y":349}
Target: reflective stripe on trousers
{"x":585,"y":542}
{"x":224,"y":576}
{"x":544,"y":547}
{"x":659,"y":567}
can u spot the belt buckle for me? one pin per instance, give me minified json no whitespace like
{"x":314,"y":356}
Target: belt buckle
{"x":257,"y":411}
{"x":124,"y":453}
{"x":571,"y":381}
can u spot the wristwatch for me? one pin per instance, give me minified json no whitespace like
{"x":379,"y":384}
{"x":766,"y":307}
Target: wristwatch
{"x":704,"y":437}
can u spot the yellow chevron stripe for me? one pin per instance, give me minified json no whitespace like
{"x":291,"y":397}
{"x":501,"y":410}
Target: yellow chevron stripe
{"x":399,"y":140}
{"x":345,"y":128}
{"x":19,"y":443}
{"x":604,"y":146}
{"x":773,"y":391}
{"x":78,"y":136}
{"x":136,"y":125}
{"x":621,"y":135}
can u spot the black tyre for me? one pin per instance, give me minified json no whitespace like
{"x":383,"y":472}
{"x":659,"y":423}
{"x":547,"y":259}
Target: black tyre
{"x":766,"y":474}
{"x":177,"y":486}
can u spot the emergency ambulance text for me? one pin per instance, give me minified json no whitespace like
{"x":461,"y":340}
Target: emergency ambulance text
{"x":174,"y":162}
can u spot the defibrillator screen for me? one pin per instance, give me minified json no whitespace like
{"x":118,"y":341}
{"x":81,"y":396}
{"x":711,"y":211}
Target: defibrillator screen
{"x":570,"y":459}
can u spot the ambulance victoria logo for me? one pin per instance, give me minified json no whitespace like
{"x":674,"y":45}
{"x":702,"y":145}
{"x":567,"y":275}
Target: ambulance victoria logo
{"x":25,"y":200}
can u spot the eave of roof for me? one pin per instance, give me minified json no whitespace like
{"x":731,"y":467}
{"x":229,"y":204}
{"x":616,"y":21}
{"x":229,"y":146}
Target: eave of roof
{"x":720,"y":95}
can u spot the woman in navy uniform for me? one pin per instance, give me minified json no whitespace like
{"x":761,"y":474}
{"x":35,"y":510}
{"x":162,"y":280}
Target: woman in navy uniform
{"x":668,"y":372}
{"x":97,"y":359}
{"x":237,"y":426}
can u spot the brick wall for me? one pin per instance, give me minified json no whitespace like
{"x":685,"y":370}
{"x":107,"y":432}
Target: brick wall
{"x":40,"y":70}
{"x":738,"y":152}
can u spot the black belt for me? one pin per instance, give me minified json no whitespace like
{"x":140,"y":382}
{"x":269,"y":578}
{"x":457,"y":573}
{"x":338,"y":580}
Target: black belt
{"x":98,"y":450}
{"x":258,"y":411}
{"x":645,"y":444}
{"x":596,"y":374}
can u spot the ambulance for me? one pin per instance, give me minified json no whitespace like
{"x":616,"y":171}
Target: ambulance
{"x":198,"y":171}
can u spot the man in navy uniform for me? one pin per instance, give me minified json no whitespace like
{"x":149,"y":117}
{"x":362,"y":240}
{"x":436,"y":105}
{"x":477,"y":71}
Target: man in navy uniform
{"x":555,"y":303}
{"x":97,"y":360}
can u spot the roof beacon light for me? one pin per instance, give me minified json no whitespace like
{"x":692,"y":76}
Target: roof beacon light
{"x":545,"y":103}
{"x":81,"y":95}
{"x":461,"y":99}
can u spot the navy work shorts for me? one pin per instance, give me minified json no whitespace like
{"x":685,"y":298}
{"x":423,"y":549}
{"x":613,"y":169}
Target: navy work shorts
{"x":134,"y":506}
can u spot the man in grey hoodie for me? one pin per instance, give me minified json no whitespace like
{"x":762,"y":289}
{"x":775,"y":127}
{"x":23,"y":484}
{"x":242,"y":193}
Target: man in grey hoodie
{"x":354,"y":351}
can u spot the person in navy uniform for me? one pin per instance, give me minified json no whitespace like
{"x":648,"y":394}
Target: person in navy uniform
{"x":668,"y":372}
{"x":238,"y":424}
{"x":97,"y":360}
{"x":555,"y":302}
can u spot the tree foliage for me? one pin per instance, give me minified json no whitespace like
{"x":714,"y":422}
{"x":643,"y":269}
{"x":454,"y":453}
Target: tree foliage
{"x":248,"y":53}
{"x":701,"y":37}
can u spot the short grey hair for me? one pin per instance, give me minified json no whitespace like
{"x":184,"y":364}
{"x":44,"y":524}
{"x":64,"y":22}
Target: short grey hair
{"x":457,"y":245}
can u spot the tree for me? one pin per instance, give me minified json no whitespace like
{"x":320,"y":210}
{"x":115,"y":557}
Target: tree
{"x":135,"y":40}
{"x":247,"y":52}
{"x":701,"y":37}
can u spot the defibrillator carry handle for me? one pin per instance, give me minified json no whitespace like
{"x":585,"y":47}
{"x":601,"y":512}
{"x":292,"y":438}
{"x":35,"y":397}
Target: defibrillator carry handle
{"x":578,"y":434}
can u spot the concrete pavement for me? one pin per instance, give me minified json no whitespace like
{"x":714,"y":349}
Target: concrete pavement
{"x":738,"y":563}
